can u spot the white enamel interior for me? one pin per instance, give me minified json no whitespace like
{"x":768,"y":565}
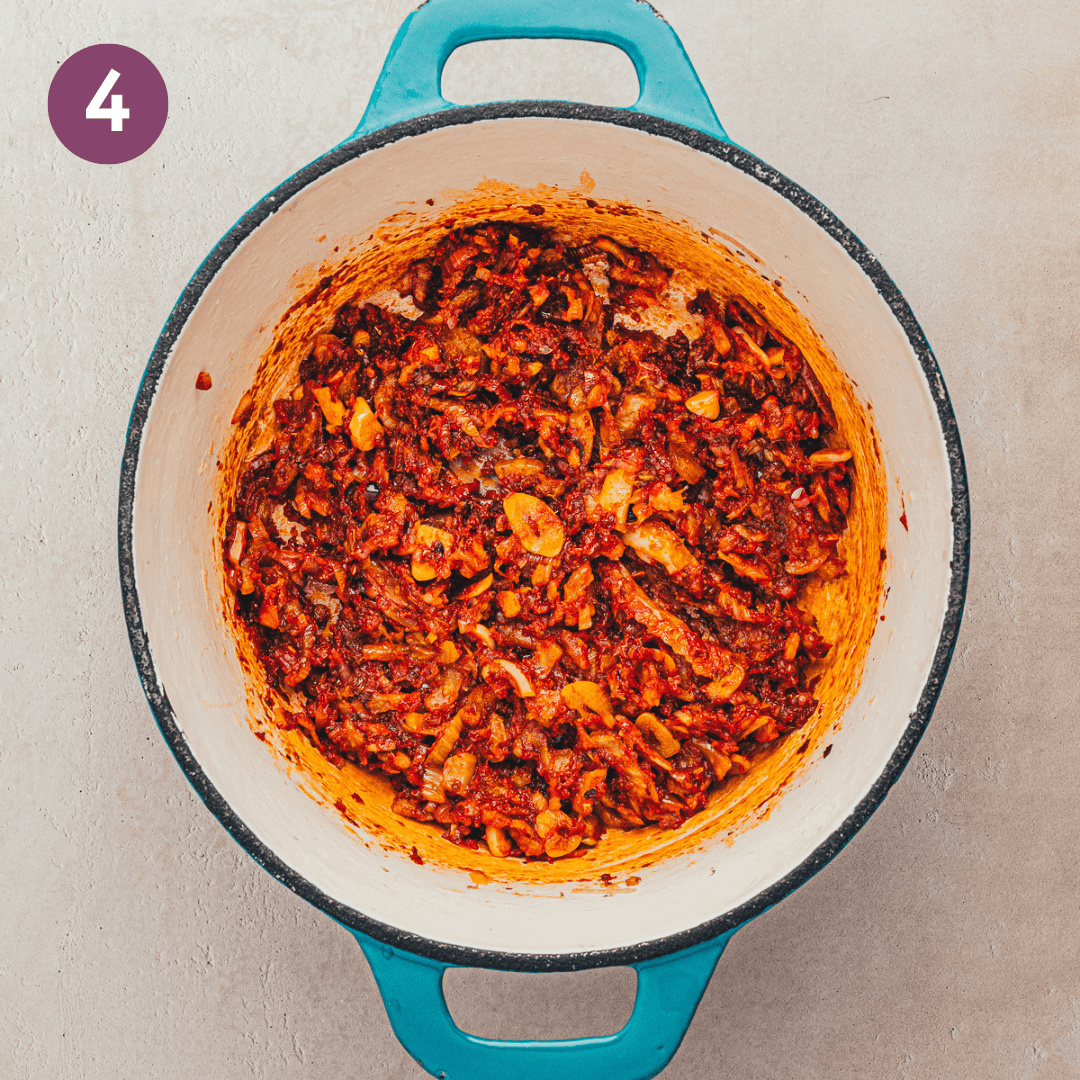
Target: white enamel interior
{"x":180,"y":595}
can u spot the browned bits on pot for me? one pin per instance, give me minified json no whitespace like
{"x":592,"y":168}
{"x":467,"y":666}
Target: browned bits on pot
{"x":539,"y":568}
{"x":203,"y":381}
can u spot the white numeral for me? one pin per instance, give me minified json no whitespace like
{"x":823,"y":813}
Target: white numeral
{"x":116,"y":111}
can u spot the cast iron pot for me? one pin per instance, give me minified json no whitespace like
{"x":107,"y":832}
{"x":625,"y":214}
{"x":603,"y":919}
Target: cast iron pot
{"x":668,"y":154}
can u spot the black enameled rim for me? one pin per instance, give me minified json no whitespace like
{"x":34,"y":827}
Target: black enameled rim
{"x":158,"y":698}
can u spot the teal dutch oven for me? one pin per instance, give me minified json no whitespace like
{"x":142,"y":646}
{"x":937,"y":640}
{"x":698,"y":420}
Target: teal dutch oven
{"x":667,"y":152}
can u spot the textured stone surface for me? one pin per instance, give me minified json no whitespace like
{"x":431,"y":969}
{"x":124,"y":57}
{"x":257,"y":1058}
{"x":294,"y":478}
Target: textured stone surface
{"x":138,"y":941}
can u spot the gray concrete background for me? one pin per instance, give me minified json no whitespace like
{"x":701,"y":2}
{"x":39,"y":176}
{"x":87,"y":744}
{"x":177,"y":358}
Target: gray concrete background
{"x":137,"y":940}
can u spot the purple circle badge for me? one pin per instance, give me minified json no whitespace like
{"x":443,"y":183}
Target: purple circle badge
{"x":108,"y":104}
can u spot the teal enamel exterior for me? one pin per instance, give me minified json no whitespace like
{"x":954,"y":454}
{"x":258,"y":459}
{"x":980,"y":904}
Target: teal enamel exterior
{"x":409,"y":84}
{"x":668,"y":992}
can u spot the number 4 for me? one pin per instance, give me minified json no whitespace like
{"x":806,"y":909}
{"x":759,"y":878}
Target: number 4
{"x":116,"y":111}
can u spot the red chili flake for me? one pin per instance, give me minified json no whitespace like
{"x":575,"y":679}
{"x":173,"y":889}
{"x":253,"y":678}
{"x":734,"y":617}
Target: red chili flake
{"x":260,"y":735}
{"x":884,"y":554}
{"x":415,"y":856}
{"x":827,"y":751}
{"x":903,"y":520}
{"x":536,"y":209}
{"x":357,"y":798}
{"x":606,"y":878}
{"x":430,"y":202}
{"x":203,"y":381}
{"x":805,"y":746}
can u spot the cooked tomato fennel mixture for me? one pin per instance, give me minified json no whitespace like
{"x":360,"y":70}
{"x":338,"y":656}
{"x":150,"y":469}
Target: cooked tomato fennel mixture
{"x":539,"y":564}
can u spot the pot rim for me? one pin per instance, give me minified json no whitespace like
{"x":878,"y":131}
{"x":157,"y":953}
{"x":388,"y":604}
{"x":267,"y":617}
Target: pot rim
{"x":467,"y":956}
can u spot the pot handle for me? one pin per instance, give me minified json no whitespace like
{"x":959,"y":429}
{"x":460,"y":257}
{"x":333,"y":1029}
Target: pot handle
{"x":668,"y":991}
{"x":411,"y":79}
